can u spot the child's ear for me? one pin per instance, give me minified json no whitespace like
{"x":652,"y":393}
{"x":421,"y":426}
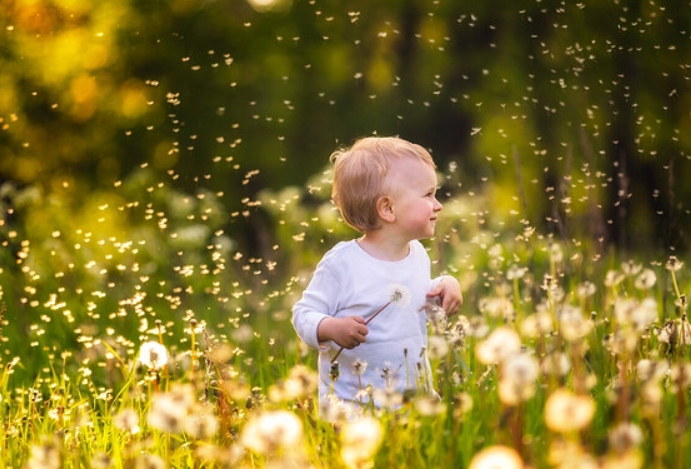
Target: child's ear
{"x":385,"y":209}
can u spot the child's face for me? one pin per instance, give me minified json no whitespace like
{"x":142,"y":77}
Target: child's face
{"x":415,"y":206}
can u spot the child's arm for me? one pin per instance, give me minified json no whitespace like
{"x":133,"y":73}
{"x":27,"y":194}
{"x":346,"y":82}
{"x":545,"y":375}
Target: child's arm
{"x":448,"y":290}
{"x":347,"y":332}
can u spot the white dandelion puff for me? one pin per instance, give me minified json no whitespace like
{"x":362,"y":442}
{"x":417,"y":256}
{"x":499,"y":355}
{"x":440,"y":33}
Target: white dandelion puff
{"x":127,"y":420}
{"x":360,"y":441}
{"x":272,"y":431}
{"x":496,"y":457}
{"x":567,"y":412}
{"x":399,"y":294}
{"x":501,"y":344}
{"x":437,"y":347}
{"x":153,"y":355}
{"x":645,"y":280}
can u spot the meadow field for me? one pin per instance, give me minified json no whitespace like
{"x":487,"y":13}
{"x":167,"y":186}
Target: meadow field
{"x":136,"y":334}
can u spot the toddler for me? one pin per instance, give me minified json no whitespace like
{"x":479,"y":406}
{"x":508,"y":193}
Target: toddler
{"x":364,"y":309}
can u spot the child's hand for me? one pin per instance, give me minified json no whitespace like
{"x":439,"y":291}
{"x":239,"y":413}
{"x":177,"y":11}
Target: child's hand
{"x":449,"y":292}
{"x":347,"y":332}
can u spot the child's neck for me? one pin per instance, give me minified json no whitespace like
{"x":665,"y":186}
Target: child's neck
{"x":384,"y":247}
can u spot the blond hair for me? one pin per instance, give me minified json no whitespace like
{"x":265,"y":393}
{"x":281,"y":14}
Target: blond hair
{"x":360,"y":173}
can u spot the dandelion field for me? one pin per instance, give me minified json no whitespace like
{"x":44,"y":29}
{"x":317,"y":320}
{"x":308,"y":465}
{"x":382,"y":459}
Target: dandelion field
{"x":164,"y":347}
{"x":163,"y":206}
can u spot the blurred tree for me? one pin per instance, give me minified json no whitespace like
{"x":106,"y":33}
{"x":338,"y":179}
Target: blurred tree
{"x":578,"y":107}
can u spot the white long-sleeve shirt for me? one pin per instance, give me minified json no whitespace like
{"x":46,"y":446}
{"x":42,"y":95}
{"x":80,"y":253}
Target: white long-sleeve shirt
{"x":350,"y":282}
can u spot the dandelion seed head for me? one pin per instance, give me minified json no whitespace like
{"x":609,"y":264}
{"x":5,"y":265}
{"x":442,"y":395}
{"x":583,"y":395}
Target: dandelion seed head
{"x":149,"y":461}
{"x":632,"y":459}
{"x":497,"y":457}
{"x":613,"y":278}
{"x":556,"y":364}
{"x":201,"y":422}
{"x":302,"y":381}
{"x":501,"y":344}
{"x":436,"y":315}
{"x":673,"y":264}
{"x":515,"y":272}
{"x":45,"y":456}
{"x":586,"y":290}
{"x":630,"y":268}
{"x":360,"y":441}
{"x":272,"y":431}
{"x":153,"y":355}
{"x":478,"y":327}
{"x":437,"y":347}
{"x":567,"y":412}
{"x":651,"y":396}
{"x":387,"y":398}
{"x":645,"y":280}
{"x":101,"y":460}
{"x":359,"y":366}
{"x":463,"y":403}
{"x":169,"y":410}
{"x":625,"y":436}
{"x":429,"y":405}
{"x":497,"y":307}
{"x":680,"y":374}
{"x":335,"y":410}
{"x":518,"y":376}
{"x":651,"y":370}
{"x":399,"y":295}
{"x":573,"y":325}
{"x":621,"y":341}
{"x":537,"y":324}
{"x":556,"y":253}
{"x":458,"y":332}
{"x":567,"y":454}
{"x":127,"y":420}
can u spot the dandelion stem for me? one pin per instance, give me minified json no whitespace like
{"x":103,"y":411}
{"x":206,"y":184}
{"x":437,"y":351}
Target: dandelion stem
{"x":376,"y":313}
{"x":676,"y":286}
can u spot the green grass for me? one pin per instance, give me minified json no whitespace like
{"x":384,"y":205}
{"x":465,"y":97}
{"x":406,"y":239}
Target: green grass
{"x":239,"y":389}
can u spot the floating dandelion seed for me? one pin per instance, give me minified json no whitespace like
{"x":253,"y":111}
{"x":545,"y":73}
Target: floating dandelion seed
{"x":497,"y":457}
{"x":153,"y":355}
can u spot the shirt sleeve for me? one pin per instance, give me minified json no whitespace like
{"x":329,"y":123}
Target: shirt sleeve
{"x":316,"y":304}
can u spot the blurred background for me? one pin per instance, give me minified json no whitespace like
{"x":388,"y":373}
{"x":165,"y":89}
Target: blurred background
{"x":581,"y":108}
